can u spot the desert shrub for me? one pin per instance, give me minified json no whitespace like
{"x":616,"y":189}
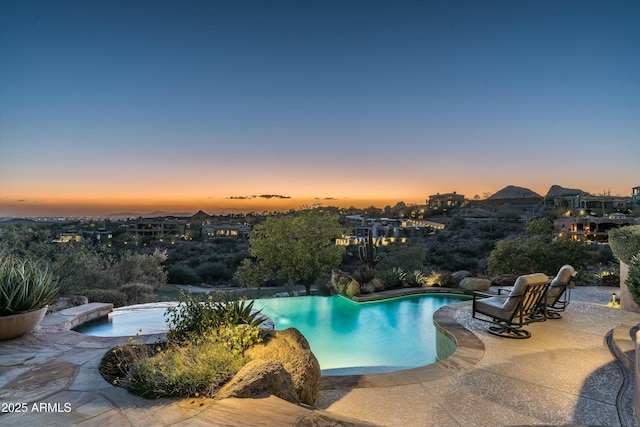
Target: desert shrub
{"x":539,"y":227}
{"x":415,"y":279}
{"x":468,"y":250}
{"x":115,"y":363}
{"x":193,"y":262}
{"x":406,"y":257}
{"x":182,"y":275}
{"x":536,"y":254}
{"x":437,"y":278}
{"x":487,"y":245}
{"x":457,"y":223}
{"x":204,"y":349}
{"x":141,"y":268}
{"x":238,"y":258}
{"x":363,"y":276}
{"x":367,"y":288}
{"x":212,"y":272}
{"x":109,"y":296}
{"x":138,"y":293}
{"x":192,"y":317}
{"x":393,"y":278}
{"x":466,"y":234}
{"x":225,"y":245}
{"x":604,"y":256}
{"x":196,"y":368}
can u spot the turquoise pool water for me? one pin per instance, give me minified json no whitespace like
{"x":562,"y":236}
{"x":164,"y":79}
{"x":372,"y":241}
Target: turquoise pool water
{"x":346,"y":337}
{"x":353,"y":338}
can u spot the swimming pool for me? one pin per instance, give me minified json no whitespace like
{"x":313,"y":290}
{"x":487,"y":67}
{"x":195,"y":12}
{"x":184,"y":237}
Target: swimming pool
{"x":346,"y":337}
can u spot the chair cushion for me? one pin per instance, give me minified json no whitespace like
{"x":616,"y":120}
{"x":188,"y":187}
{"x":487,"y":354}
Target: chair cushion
{"x":518,"y":288}
{"x":559,"y":283}
{"x":492,"y":307}
{"x":563,"y":277}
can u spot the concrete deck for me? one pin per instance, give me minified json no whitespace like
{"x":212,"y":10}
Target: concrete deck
{"x":565,"y":374}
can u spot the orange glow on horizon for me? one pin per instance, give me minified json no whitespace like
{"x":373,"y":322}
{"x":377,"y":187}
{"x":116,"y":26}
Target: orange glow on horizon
{"x":84,"y":207}
{"x":139,"y":199}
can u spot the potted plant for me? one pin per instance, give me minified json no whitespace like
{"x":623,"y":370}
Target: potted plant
{"x":26,"y":288}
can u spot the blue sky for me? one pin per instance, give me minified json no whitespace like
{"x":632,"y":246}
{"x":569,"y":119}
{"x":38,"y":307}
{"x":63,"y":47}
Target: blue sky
{"x":140,"y":104}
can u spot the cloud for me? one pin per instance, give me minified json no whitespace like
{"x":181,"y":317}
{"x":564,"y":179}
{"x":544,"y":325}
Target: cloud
{"x":262,"y":196}
{"x":273,"y":196}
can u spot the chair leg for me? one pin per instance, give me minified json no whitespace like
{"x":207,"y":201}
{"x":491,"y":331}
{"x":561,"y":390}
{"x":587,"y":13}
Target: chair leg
{"x":506,"y":331}
{"x":553,"y":315}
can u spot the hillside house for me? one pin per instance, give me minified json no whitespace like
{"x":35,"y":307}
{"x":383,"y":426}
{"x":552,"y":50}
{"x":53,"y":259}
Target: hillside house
{"x":157,"y":227}
{"x":591,"y":228}
{"x":446,"y":200}
{"x":581,"y":205}
{"x":215,"y":231}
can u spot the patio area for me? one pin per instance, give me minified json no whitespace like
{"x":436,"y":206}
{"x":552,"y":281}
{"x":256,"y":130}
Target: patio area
{"x":565,"y":374}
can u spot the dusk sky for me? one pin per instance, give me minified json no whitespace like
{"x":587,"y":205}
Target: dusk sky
{"x":110,"y":106}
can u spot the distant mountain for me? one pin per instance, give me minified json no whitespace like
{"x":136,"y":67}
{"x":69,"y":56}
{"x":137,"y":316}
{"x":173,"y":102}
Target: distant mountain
{"x":557,"y":191}
{"x":201,"y":216}
{"x":514,"y":192}
{"x":21,"y":221}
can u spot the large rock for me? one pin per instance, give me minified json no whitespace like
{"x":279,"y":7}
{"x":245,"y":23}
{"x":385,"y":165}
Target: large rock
{"x":471,"y":284}
{"x":261,"y":377}
{"x":457,"y":277}
{"x":504,"y":280}
{"x":64,"y":303}
{"x":291,"y":349}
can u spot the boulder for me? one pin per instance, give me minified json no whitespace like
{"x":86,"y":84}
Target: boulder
{"x":457,"y":277}
{"x":471,"y":284}
{"x":504,"y":280}
{"x":260,"y":377}
{"x":291,"y":349}
{"x":77,"y":300}
{"x":353,"y":289}
{"x":60,"y":304}
{"x":64,"y":303}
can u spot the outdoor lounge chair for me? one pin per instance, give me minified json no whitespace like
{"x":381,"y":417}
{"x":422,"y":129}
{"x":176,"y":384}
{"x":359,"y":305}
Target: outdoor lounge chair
{"x":559,"y":293}
{"x":509,"y":313}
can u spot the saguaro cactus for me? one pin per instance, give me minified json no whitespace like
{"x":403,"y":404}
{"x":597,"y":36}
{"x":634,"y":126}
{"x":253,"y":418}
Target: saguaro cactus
{"x":367,"y":251}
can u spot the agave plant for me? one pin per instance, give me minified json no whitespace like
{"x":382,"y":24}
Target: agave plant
{"x":240,"y":311}
{"x":415,"y":279}
{"x":25,"y":285}
{"x":394,"y":277}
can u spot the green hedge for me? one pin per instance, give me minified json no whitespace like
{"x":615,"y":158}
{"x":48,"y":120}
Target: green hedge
{"x":625,"y":242}
{"x":633,"y":280}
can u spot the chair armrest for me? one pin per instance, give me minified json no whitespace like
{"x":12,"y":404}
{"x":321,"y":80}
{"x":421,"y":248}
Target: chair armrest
{"x":487,"y":295}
